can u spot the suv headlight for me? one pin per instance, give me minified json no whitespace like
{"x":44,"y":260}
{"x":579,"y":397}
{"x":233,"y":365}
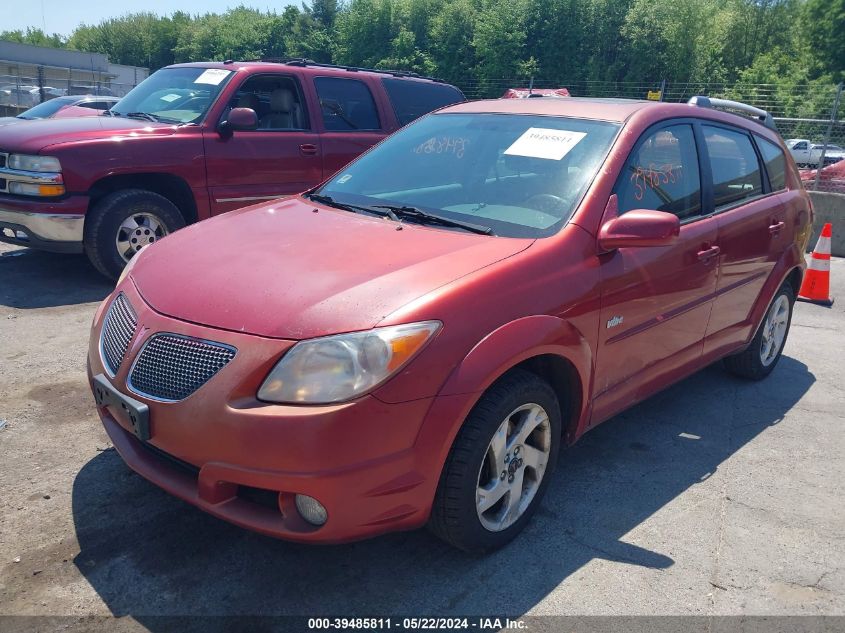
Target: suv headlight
{"x":341,"y":367}
{"x":27,"y":162}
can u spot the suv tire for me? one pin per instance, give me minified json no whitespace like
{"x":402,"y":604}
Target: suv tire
{"x":517,"y":400}
{"x":755,"y":362}
{"x":132,"y":217}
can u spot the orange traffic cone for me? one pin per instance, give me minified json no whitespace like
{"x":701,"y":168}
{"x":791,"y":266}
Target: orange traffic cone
{"x":816,"y":286}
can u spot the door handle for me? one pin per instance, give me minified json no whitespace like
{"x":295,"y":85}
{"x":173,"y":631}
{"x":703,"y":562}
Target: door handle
{"x":309,"y":149}
{"x":708,"y":253}
{"x":775,"y":227}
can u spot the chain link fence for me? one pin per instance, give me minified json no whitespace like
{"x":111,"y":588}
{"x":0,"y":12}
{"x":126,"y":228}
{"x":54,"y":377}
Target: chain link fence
{"x":20,"y":91}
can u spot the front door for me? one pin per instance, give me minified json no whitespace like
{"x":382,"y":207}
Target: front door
{"x":280,"y":158}
{"x":656,"y":301}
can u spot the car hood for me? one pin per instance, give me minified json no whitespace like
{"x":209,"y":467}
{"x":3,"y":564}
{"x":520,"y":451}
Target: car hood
{"x":8,"y":120}
{"x":295,"y":270}
{"x":41,"y":133}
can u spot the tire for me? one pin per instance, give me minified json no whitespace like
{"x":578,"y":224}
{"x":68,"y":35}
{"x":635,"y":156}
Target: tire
{"x":753,"y":363}
{"x":103,"y":226}
{"x":455,"y":517}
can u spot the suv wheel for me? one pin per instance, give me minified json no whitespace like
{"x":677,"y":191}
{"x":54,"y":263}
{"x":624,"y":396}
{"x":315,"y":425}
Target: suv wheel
{"x":123,"y":223}
{"x":499,"y":466}
{"x":760,"y":358}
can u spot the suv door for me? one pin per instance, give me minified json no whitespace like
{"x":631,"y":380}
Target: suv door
{"x":279,"y":158}
{"x":351,"y":120}
{"x":753,"y":229}
{"x":656,"y":301}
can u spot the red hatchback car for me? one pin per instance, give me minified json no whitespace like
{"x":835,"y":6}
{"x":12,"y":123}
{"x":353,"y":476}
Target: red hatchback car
{"x":413,"y":341}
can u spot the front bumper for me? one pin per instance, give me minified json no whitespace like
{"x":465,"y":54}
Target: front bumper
{"x":244,"y":460}
{"x":51,"y":226}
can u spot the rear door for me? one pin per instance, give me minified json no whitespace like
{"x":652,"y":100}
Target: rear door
{"x":280,"y":158}
{"x":753,"y":230}
{"x":351,"y":121}
{"x":656,"y":301}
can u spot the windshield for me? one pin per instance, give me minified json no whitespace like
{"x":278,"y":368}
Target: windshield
{"x":47,"y":109}
{"x":174,"y":95}
{"x":520,"y":175}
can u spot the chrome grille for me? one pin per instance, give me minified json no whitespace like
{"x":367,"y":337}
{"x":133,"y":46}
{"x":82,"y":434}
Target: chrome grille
{"x":118,"y":329}
{"x":171,"y":367}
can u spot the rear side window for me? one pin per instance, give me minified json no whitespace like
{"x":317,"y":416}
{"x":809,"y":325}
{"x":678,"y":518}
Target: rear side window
{"x":347,"y":105}
{"x":412,"y":99}
{"x":733,"y":162}
{"x":663,"y":175}
{"x":775,"y":163}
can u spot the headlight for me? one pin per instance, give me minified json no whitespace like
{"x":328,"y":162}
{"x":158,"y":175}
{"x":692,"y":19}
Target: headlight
{"x":130,"y":264}
{"x":26,"y":162}
{"x":338,"y":368}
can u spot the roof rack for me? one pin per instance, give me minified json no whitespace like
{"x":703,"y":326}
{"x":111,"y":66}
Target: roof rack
{"x":302,"y":61}
{"x":725,"y":104}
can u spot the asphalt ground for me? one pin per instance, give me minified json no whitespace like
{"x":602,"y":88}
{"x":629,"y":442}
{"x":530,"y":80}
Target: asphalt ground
{"x":716,"y":497}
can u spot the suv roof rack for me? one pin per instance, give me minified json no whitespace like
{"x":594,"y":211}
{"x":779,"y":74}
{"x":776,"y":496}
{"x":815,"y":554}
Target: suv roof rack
{"x":302,"y":61}
{"x":726,"y":104}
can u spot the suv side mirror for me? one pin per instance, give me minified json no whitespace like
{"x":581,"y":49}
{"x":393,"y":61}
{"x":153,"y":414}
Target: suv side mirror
{"x":239,"y":119}
{"x":640,"y":227}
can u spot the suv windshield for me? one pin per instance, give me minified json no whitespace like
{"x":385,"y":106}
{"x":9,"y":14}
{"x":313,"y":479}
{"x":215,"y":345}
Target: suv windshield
{"x":174,"y":95}
{"x":519,"y":175}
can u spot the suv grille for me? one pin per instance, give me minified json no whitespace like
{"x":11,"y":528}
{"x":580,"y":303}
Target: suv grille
{"x":172,"y":367}
{"x":118,"y":329}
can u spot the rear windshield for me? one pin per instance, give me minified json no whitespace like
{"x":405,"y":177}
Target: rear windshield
{"x":519,"y":175}
{"x":412,"y":99}
{"x":46,"y":109}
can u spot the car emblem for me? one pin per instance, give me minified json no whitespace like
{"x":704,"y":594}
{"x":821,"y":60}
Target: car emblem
{"x":614,"y":322}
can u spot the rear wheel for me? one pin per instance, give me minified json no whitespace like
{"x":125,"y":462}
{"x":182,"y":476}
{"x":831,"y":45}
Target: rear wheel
{"x":760,"y":358}
{"x":123,"y":223}
{"x":499,"y":465}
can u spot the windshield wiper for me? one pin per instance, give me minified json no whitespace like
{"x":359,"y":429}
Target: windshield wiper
{"x":424,"y":217}
{"x":139,"y":115}
{"x":331,"y":202}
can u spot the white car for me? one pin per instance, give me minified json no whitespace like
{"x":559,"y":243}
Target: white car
{"x":805,"y":153}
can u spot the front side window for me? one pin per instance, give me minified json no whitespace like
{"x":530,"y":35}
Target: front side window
{"x":662,"y":174}
{"x":775,"y":163}
{"x":411,"y":98}
{"x":347,"y":105}
{"x":174,"y":95}
{"x":734,"y":165}
{"x":275,"y":99}
{"x":519,"y":175}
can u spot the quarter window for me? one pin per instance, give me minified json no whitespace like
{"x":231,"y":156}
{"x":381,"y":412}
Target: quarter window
{"x":347,"y":105}
{"x":734,"y":165}
{"x":411,"y":99}
{"x":663,"y":175}
{"x":775,"y":163}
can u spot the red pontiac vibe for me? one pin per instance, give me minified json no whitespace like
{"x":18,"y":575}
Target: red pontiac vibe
{"x":413,"y":341}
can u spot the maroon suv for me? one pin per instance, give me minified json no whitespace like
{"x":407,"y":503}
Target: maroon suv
{"x":193,"y":141}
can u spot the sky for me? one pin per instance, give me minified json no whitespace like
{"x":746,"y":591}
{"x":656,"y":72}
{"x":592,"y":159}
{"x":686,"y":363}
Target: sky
{"x":61,"y":16}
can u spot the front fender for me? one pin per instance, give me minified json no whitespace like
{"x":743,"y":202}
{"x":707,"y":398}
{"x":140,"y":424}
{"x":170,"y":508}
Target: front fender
{"x":515,"y":342}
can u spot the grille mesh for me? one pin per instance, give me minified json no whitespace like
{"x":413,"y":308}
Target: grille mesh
{"x":118,"y":330}
{"x":172,"y":367}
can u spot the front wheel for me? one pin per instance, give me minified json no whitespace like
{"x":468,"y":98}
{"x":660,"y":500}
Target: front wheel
{"x":122,"y":223}
{"x":760,"y":358}
{"x":499,"y":465}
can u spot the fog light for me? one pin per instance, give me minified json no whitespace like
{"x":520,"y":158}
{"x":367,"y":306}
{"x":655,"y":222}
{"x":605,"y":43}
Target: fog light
{"x":311,"y":510}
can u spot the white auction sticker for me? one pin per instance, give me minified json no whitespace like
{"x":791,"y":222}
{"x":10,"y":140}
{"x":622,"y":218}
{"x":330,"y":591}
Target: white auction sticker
{"x":212,"y":76}
{"x":169,"y":98}
{"x":541,"y":142}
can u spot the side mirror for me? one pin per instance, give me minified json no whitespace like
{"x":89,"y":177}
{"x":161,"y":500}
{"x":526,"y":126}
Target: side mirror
{"x":640,"y":227}
{"x":238,"y":119}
